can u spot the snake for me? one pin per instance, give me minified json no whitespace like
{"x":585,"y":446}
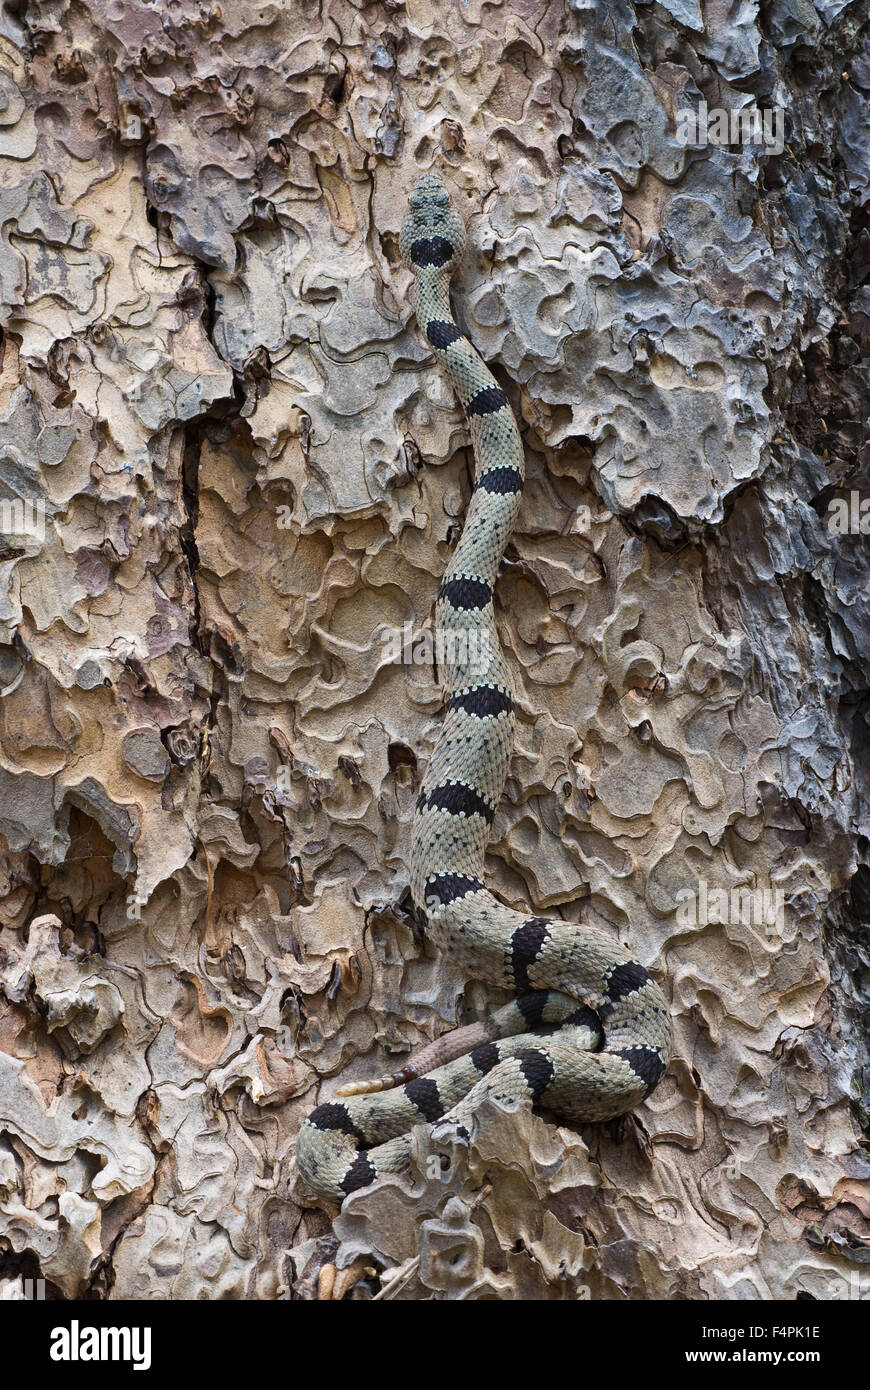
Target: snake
{"x":587,"y":1035}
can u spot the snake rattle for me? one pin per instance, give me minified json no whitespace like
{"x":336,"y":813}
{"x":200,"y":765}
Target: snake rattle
{"x":588,"y":1035}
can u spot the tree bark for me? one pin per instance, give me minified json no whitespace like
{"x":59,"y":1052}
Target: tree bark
{"x":231,"y":476}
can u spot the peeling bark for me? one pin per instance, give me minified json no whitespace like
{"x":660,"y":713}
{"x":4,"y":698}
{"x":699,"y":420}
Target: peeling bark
{"x":231,"y":476}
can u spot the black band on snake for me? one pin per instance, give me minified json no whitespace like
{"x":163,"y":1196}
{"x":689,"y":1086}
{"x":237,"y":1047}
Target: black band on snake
{"x":588,"y":1035}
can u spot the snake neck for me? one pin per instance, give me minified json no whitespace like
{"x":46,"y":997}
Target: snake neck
{"x":494,"y":435}
{"x":433,"y":296}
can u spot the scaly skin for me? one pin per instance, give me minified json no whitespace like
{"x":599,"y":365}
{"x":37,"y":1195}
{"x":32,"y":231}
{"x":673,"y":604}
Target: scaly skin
{"x":588,"y":1036}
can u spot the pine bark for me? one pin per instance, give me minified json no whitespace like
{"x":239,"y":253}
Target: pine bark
{"x":231,"y":478}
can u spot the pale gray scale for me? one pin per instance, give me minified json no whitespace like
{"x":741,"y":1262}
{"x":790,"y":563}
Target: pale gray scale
{"x":491,"y":924}
{"x":489,"y":531}
{"x":578,"y":1036}
{"x":465,"y":929}
{"x":392,"y":1157}
{"x":490,"y":521}
{"x":468,"y":374}
{"x":641,"y":1012}
{"x":468,"y":381}
{"x":497,"y":439}
{"x":480,"y":663}
{"x":478,"y":668}
{"x":488,"y":525}
{"x":451,"y":843}
{"x":458,"y":760}
{"x":479,"y":555}
{"x":577,"y":954}
{"x":461,"y":749}
{"x":457,"y":756}
{"x":591,"y":1086}
{"x":471,"y":658}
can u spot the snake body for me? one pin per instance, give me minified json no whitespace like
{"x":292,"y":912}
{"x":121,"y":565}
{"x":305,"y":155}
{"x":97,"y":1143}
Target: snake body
{"x":588,"y":1035}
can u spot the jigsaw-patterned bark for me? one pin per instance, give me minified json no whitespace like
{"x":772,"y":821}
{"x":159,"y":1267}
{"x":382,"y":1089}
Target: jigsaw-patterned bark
{"x":231,"y":476}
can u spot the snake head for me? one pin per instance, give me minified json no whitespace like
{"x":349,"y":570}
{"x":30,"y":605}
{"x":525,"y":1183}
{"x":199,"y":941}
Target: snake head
{"x":432,"y":233}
